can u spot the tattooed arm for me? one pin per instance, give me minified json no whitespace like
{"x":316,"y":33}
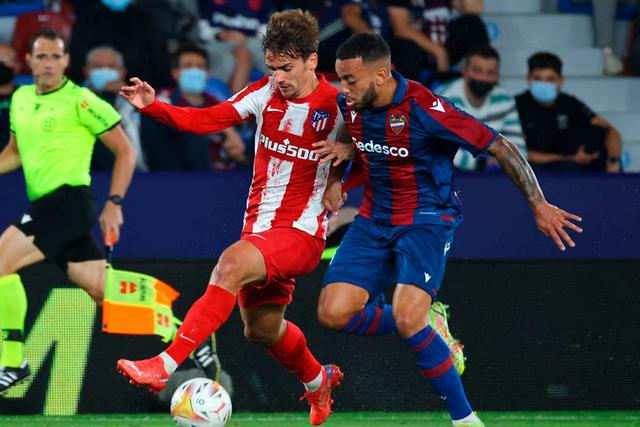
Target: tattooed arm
{"x":550,"y":219}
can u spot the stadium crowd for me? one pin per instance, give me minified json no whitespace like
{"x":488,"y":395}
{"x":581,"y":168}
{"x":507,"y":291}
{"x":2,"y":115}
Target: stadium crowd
{"x":202,"y":51}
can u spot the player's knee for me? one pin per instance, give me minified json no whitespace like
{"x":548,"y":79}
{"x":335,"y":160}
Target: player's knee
{"x":260,"y":336}
{"x":409,"y":322}
{"x":333,"y":317}
{"x":5,"y":269}
{"x":228,"y":273}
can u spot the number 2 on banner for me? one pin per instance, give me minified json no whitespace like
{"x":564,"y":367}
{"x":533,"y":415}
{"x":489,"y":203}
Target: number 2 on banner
{"x":127,"y":287}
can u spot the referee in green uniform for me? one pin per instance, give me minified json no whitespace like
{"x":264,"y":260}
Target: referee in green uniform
{"x":54,"y":124}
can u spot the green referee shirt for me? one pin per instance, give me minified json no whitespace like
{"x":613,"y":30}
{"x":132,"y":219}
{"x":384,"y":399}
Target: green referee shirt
{"x":56,"y":132}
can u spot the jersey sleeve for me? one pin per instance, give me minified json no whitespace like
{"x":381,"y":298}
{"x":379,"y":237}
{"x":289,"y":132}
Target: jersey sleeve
{"x":17,"y":99}
{"x":442,"y":120}
{"x":195,"y":120}
{"x":95,"y":113}
{"x":242,"y":106}
{"x":251,"y":100}
{"x":14,"y":103}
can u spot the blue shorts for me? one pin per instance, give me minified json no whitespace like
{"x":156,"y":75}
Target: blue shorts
{"x":375,"y":256}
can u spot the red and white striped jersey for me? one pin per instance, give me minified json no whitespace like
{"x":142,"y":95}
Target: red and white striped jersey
{"x":288,"y":180}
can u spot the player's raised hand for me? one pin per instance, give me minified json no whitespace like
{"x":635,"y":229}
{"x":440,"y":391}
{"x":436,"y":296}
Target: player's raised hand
{"x":140,"y":94}
{"x":328,"y":150}
{"x":552,"y":221}
{"x":333,"y":197}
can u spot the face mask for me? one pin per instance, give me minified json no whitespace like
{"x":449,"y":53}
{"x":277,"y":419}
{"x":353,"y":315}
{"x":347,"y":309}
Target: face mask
{"x":544,"y":92}
{"x":480,"y":88}
{"x":116,"y":5}
{"x":101,"y":77}
{"x":193,"y":80}
{"x":6,"y":74}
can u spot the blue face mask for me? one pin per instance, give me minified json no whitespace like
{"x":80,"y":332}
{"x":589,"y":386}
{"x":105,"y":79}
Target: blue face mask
{"x":101,"y":77}
{"x":193,"y":80}
{"x":544,"y":92}
{"x":116,"y":5}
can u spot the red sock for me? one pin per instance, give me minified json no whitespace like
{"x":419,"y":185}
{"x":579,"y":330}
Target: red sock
{"x":292,"y":352}
{"x":204,"y":317}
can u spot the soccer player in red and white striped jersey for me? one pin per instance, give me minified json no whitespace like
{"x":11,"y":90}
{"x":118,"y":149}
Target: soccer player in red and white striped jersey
{"x":285,"y":222}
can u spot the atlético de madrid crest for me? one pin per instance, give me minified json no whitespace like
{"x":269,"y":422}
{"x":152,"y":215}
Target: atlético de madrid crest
{"x":319,"y":120}
{"x":397,"y":122}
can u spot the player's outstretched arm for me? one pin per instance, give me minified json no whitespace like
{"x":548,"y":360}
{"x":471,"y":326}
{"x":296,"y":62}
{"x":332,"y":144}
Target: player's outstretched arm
{"x":10,"y":156}
{"x":550,"y":219}
{"x":111,"y":218}
{"x":186,"y":119}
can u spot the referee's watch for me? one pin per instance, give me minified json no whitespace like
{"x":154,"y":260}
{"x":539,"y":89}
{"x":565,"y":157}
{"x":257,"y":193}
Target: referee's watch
{"x":116,"y":199}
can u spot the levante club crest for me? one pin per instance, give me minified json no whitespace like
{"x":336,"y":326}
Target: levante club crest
{"x":397,"y":122}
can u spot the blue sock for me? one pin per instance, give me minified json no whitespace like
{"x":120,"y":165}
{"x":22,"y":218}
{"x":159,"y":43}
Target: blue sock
{"x":434,"y":361}
{"x":372,"y":320}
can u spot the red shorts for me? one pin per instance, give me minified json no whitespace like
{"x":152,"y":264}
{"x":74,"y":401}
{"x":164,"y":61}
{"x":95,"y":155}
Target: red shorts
{"x":288,"y":253}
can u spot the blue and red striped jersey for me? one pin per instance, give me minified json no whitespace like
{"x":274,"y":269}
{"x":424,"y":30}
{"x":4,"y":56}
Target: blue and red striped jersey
{"x":406,"y":149}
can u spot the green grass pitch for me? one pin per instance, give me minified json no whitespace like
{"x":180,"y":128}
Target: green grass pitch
{"x":350,"y":419}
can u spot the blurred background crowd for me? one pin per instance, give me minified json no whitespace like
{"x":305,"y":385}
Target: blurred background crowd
{"x":554,"y":76}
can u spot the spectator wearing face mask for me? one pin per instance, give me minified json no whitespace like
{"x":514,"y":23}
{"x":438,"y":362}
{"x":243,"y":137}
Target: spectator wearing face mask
{"x":7,"y":71}
{"x":169,"y":149}
{"x":104,"y":73}
{"x":127,"y":27}
{"x":477,"y":92}
{"x":561,"y":132}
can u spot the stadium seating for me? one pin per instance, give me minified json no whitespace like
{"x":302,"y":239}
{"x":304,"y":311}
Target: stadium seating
{"x":519,"y":28}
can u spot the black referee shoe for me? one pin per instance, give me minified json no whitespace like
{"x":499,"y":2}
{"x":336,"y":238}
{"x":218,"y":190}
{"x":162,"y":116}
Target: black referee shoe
{"x":13,"y":376}
{"x":206,"y":358}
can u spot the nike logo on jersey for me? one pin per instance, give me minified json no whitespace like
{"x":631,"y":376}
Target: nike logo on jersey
{"x":353,"y":116}
{"x":25,"y":218}
{"x":427,"y":277}
{"x":437,"y":106}
{"x":270,"y":109}
{"x":447,"y":246}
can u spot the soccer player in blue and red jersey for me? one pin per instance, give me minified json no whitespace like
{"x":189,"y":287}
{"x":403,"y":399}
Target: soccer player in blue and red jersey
{"x":406,"y":138}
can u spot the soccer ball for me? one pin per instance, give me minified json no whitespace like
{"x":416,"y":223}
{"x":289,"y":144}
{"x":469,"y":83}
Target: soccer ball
{"x":201,"y":402}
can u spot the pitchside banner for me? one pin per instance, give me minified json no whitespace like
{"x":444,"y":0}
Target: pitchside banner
{"x":197,"y":215}
{"x":538,"y":335}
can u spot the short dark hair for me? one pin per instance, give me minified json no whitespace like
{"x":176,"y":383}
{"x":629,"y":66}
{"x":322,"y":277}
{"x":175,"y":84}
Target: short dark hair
{"x":293,"y":33}
{"x":545,"y":60}
{"x":188,"y":48}
{"x":486,"y":52}
{"x":369,"y":47}
{"x":49,"y":34}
